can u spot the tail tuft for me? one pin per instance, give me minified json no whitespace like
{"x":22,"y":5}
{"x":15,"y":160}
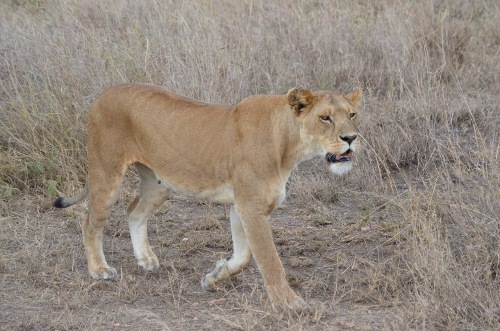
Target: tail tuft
{"x":60,"y":203}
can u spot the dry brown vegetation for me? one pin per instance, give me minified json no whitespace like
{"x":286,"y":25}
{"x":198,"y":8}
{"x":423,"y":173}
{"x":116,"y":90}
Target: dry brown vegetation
{"x":407,"y":240}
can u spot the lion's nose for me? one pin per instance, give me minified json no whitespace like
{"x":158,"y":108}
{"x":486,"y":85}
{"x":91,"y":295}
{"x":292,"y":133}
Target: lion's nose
{"x":349,"y":139}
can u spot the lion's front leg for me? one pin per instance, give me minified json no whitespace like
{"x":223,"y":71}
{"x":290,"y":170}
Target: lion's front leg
{"x":224,"y":269}
{"x":259,"y":236}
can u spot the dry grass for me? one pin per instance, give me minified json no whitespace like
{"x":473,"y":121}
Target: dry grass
{"x":408,"y":240}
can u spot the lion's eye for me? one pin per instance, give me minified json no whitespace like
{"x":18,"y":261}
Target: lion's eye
{"x":325,"y":118}
{"x":352,"y":115}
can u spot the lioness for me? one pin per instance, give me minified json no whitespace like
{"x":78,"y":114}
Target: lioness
{"x":239,"y":155}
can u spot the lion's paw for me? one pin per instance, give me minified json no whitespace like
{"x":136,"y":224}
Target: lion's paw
{"x":215,"y":273}
{"x":293,"y":309}
{"x":104,"y":273}
{"x":291,"y":304}
{"x":149,"y":263}
{"x":298,"y":305}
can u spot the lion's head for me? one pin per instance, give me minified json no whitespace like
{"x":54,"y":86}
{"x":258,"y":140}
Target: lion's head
{"x":328,"y":125}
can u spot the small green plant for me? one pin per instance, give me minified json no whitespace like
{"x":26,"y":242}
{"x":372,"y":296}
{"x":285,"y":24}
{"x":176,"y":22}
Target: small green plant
{"x":10,"y":193}
{"x":52,"y":188}
{"x":34,"y":168}
{"x":40,"y":167}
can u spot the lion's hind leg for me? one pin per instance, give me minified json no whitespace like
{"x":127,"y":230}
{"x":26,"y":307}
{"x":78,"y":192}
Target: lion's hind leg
{"x":152,"y":193}
{"x":224,"y":269}
{"x":104,"y":188}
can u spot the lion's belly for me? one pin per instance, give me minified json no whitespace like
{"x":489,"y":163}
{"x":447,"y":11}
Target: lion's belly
{"x":223,"y":193}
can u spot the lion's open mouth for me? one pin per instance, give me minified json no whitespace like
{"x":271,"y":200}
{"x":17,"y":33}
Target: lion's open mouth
{"x":344,"y":157}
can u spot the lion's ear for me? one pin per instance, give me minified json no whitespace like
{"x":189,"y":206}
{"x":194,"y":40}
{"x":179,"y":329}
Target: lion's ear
{"x":300,"y":99}
{"x":354,"y":97}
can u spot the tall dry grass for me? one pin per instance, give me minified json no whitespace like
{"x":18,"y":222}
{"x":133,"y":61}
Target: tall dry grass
{"x":430,"y":118}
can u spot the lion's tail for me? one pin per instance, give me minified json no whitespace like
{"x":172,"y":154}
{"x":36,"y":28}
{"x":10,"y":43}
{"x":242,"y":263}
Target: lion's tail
{"x":62,"y":202}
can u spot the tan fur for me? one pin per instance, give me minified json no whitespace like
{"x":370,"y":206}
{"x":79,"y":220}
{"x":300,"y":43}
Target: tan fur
{"x":239,"y":155}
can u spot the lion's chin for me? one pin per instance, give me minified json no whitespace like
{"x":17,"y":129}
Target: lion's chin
{"x":340,"y":168}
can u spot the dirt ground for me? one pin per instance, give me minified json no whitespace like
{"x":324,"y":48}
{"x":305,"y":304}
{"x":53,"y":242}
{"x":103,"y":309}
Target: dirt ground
{"x":45,"y":284}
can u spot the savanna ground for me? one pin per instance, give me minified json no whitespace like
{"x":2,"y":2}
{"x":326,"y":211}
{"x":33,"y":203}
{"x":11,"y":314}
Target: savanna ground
{"x":407,"y":240}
